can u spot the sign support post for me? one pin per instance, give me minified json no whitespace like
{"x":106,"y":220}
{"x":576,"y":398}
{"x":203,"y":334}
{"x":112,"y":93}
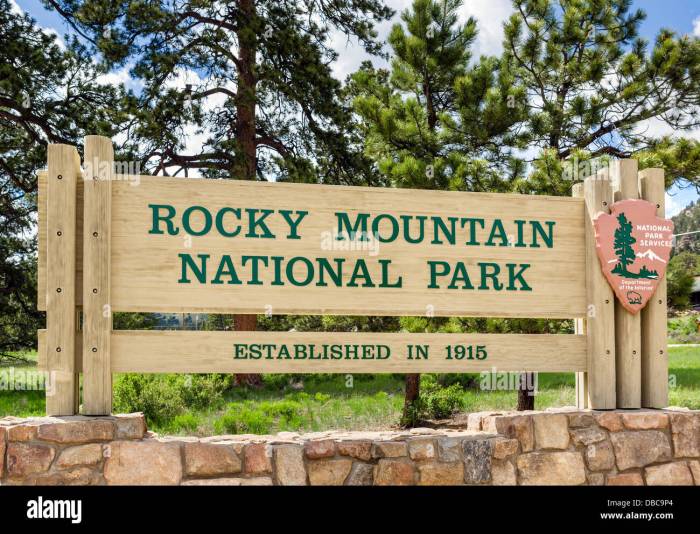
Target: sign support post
{"x":62,"y":178}
{"x":97,"y":323}
{"x":628,"y":326}
{"x":654,"y":359}
{"x":600,"y":315}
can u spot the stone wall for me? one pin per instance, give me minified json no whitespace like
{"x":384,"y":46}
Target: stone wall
{"x":527,"y":448}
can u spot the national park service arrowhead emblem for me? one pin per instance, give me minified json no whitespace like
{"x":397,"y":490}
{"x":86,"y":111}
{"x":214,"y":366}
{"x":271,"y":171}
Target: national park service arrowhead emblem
{"x":634,"y":246}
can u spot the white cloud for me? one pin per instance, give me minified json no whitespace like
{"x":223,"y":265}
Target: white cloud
{"x":490,"y":16}
{"x":17,"y":10}
{"x":696,"y":27}
{"x":656,"y":128}
{"x":673,"y":207}
{"x":14,"y":8}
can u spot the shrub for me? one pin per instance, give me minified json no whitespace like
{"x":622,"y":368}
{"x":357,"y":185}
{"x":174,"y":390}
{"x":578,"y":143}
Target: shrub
{"x":437,"y":402}
{"x":442,"y":402}
{"x":155,"y":395}
{"x":161,"y":397}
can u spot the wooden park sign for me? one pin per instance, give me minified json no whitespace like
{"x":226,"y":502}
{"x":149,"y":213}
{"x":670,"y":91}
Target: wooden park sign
{"x":109,"y":243}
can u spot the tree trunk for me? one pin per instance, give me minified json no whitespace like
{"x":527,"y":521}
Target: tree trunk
{"x":412,"y":394}
{"x":245,"y":167}
{"x":526,"y":397}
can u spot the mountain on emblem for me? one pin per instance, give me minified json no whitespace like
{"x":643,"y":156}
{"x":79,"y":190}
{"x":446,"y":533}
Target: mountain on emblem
{"x":633,"y":246}
{"x":651,"y":255}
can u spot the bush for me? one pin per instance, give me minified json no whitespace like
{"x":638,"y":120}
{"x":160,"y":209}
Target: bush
{"x":161,"y":397}
{"x":684,"y":329}
{"x":442,"y":402}
{"x":680,"y":276}
{"x":435,"y":401}
{"x":155,"y":395}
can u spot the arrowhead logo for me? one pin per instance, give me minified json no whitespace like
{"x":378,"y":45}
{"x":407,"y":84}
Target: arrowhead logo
{"x":634,"y":246}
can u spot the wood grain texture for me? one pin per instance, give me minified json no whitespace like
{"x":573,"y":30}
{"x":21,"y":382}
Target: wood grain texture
{"x":654,"y":315}
{"x":41,"y":355}
{"x":63,"y":170}
{"x":41,"y":238}
{"x":600,"y":316}
{"x":628,"y":326}
{"x":580,"y":329}
{"x":97,"y":322}
{"x":213,"y":352}
{"x":146,"y":268}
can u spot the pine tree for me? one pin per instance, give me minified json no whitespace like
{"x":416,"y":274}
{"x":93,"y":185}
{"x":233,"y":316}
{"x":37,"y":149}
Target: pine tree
{"x":49,"y":93}
{"x":266,"y":62}
{"x":434,"y":121}
{"x":592,"y":83}
{"x":623,"y":245}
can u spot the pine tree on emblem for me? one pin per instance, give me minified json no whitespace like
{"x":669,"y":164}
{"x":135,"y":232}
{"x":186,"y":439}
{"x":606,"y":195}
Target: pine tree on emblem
{"x":623,"y":246}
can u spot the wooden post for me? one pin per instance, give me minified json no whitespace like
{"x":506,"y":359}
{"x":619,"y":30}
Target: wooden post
{"x":628,"y":326}
{"x":654,"y":343}
{"x":97,"y":318}
{"x":580,"y":330}
{"x":63,"y":173}
{"x":600,"y":318}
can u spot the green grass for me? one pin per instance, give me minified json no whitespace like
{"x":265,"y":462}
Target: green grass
{"x":321,"y":402}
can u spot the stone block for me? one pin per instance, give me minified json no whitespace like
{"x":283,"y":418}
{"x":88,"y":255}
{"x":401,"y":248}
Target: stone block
{"x":394,"y":472}
{"x":151,"y":462}
{"x":441,"y":474}
{"x":503,"y":473}
{"x":551,"y":469}
{"x":421,"y":449}
{"x":90,"y":454}
{"x":477,"y":460}
{"x":645,"y":420}
{"x":289,"y":465}
{"x":258,"y":458}
{"x":389,"y":449}
{"x":25,"y":459}
{"x":77,"y":431}
{"x":685,"y":429}
{"x":362,"y":449}
{"x":640,"y":448}
{"x":361,"y":474}
{"x":324,"y":448}
{"x":208,"y":459}
{"x":600,"y":456}
{"x":329,"y":472}
{"x":610,"y":421}
{"x":551,"y":431}
{"x":673,"y":474}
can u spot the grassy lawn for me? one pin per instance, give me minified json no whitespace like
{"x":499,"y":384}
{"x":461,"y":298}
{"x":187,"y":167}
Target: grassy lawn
{"x":321,"y":402}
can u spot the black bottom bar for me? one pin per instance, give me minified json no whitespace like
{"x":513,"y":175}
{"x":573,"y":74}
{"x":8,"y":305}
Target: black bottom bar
{"x":343,"y":508}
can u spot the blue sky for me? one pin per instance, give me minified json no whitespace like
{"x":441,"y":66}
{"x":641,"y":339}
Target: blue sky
{"x":683,"y":16}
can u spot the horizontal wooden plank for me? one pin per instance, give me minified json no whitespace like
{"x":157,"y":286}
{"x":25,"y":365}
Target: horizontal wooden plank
{"x":147,"y":267}
{"x":209,"y":352}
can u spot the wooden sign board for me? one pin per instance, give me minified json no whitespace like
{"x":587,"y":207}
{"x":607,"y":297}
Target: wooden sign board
{"x":121,"y":243}
{"x":228,"y":246}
